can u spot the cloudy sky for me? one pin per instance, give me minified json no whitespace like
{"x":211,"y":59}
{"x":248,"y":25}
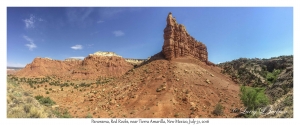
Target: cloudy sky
{"x":229,"y":33}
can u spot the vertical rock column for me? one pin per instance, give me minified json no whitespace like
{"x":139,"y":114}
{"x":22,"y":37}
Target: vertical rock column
{"x":169,"y":47}
{"x":178,"y":43}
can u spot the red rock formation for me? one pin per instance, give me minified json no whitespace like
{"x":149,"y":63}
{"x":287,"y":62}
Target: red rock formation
{"x":41,"y":67}
{"x":92,"y":67}
{"x":178,"y":43}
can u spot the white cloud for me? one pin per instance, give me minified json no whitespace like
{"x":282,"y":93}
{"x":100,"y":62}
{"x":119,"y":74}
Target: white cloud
{"x":100,"y":21}
{"x":28,"y":39}
{"x":119,"y":33}
{"x":79,"y":57}
{"x":31,"y":45}
{"x":31,"y":21}
{"x":77,"y":47}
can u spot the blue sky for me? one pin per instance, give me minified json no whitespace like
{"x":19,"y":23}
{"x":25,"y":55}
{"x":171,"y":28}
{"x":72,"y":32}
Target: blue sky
{"x":228,"y":32}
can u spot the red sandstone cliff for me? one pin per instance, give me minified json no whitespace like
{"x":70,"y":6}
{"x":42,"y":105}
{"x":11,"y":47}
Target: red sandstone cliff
{"x":92,"y":67}
{"x":178,"y":43}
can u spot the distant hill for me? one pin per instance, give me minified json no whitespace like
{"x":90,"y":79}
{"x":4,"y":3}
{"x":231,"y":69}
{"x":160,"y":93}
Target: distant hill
{"x":16,"y":68}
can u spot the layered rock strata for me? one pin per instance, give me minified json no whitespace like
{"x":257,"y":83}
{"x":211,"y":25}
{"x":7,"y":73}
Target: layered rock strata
{"x":178,"y":42}
{"x":99,"y":64}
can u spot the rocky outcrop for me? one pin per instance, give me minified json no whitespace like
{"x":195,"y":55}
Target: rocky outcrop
{"x":178,"y":43}
{"x":264,"y":73}
{"x":94,"y":66}
{"x":99,"y":64}
{"x":282,"y":85}
{"x":135,"y":61}
{"x":41,"y":67}
{"x":100,"y":53}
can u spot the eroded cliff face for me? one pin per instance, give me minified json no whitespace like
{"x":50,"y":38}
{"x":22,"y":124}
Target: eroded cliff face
{"x":95,"y":66}
{"x":99,"y":64}
{"x":41,"y":67}
{"x":178,"y":43}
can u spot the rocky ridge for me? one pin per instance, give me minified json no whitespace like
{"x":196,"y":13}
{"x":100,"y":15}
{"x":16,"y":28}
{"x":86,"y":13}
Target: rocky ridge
{"x":135,"y":61}
{"x":274,"y":74}
{"x":99,"y":64}
{"x":101,"y":53}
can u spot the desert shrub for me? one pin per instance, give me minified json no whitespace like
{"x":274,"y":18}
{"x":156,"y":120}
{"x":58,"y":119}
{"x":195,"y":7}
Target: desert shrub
{"x":16,"y":112}
{"x":44,"y":100}
{"x":37,"y":113}
{"x":21,"y":104}
{"x":38,"y":97}
{"x":29,"y":100}
{"x":218,"y":110}
{"x":82,"y":84}
{"x":176,"y":115}
{"x":288,"y":101}
{"x":253,"y":97}
{"x":27,"y":108}
{"x":89,"y":115}
{"x":47,"y":92}
{"x":62,"y":113}
{"x":272,"y":76}
{"x":75,"y":87}
{"x":31,"y":85}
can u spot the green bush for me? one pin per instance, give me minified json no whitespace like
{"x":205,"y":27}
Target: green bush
{"x":38,"y":97}
{"x":62,"y":113}
{"x":253,"y":97}
{"x":218,"y":109}
{"x":44,"y":100}
{"x":272,"y":76}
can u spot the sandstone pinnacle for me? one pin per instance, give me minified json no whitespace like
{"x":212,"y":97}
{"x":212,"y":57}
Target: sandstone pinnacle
{"x":178,"y":42}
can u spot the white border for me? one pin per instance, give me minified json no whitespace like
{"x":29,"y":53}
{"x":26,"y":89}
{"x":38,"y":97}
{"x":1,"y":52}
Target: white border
{"x":143,"y":3}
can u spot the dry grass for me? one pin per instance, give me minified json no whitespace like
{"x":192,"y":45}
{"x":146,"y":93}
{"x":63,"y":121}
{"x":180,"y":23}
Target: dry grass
{"x":21,"y":104}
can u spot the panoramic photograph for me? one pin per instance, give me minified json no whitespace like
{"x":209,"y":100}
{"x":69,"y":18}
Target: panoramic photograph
{"x":149,"y":62}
